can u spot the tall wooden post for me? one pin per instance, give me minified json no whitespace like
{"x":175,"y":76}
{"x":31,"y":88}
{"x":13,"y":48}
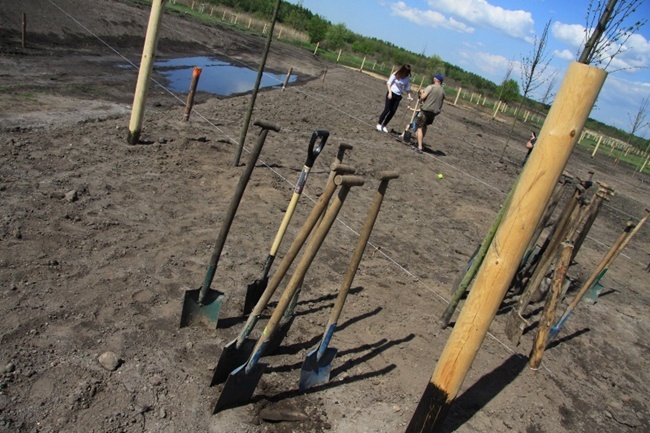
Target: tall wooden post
{"x":339,"y":56}
{"x":597,"y":146}
{"x":363,"y":62}
{"x":496,"y":109}
{"x":457,"y":95}
{"x":256,"y":87}
{"x":146,"y":65}
{"x":557,"y":138}
{"x":316,"y":49}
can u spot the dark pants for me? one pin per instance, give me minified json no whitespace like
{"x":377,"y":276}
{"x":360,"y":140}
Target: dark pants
{"x":389,"y":109}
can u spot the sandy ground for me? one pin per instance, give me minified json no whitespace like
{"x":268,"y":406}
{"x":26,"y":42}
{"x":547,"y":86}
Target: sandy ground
{"x":100,"y":240}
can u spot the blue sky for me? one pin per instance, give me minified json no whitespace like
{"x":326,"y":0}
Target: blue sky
{"x":485,"y":36}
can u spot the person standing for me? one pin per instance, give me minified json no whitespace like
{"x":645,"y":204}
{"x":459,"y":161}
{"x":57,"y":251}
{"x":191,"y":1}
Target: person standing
{"x":530,"y":145}
{"x":431,"y":100}
{"x":398,"y":83}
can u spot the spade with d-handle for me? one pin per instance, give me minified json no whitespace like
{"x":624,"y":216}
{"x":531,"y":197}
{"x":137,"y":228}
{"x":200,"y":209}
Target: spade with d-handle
{"x":237,"y":351}
{"x":242,"y":381}
{"x":318,"y":363}
{"x":620,"y":244}
{"x":256,"y":288}
{"x":203,"y":304}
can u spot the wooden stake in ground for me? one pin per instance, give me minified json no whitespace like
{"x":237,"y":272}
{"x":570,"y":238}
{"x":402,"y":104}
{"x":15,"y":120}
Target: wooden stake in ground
{"x":146,"y":65}
{"x":557,"y":138}
{"x":196,"y":73}
{"x":258,"y":80}
{"x":548,"y":315}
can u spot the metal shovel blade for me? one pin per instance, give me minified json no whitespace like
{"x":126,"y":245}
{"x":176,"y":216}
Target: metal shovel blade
{"x":231,"y":358}
{"x":206,"y":312}
{"x":254,"y":293}
{"x":239,"y":387}
{"x":515,"y":326}
{"x":316,"y":371}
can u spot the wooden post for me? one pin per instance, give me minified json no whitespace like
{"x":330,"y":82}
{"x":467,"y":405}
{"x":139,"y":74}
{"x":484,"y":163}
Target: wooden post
{"x":484,"y":100}
{"x":196,"y":73}
{"x":557,"y":138}
{"x":23,"y":30}
{"x":223,"y":17}
{"x":316,"y":49}
{"x":286,"y":80}
{"x":250,"y":21}
{"x":644,"y":164}
{"x":212,"y":11}
{"x":496,"y":109}
{"x":597,"y":146}
{"x":363,"y":62}
{"x":457,"y":95}
{"x":192,"y":6}
{"x":236,"y":19}
{"x":146,"y":65}
{"x":550,"y":308}
{"x":479,"y":99}
{"x":258,"y":80}
{"x":339,"y":56}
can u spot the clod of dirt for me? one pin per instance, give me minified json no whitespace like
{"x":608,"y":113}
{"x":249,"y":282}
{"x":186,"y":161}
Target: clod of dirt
{"x":109,"y":361}
{"x":283,"y":412}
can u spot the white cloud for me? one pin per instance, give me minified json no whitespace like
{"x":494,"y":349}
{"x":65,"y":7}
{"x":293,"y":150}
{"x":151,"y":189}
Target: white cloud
{"x":491,"y":64}
{"x":428,"y":18}
{"x":571,"y":34}
{"x":633,"y":54}
{"x":564,"y":55}
{"x":515,"y":23}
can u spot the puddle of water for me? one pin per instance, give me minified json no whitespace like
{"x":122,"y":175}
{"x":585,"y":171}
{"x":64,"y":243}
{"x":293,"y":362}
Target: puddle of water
{"x":218,"y":77}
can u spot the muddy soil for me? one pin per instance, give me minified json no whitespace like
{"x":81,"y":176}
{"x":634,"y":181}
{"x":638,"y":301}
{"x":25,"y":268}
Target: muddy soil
{"x":101,"y":240}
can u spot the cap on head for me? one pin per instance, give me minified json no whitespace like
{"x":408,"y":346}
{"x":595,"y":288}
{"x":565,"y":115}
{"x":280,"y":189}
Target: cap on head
{"x":439,"y":77}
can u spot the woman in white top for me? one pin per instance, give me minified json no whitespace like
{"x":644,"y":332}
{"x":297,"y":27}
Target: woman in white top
{"x":397,"y":84}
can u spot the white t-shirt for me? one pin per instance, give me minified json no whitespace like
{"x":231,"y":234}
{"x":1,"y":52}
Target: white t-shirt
{"x":399,"y":85}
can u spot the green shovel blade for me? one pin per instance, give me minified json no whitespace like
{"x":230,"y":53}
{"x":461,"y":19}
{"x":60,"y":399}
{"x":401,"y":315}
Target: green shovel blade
{"x":205,"y":312}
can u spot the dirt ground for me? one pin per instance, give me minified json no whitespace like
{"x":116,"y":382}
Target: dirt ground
{"x":100,"y":240}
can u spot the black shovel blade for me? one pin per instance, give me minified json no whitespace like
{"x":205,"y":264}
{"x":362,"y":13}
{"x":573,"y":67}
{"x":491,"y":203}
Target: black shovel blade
{"x":206,"y":312}
{"x":239,"y":387}
{"x":231,"y":358}
{"x":316,"y":371}
{"x":254,"y":293}
{"x":278,"y":336}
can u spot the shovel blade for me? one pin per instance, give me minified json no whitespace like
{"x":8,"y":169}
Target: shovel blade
{"x":205,"y":312}
{"x":254,"y":293}
{"x":239,"y":387}
{"x":231,"y":357}
{"x":316,"y":371}
{"x":515,"y":326}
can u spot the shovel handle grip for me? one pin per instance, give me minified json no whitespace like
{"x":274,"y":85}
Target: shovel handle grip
{"x":312,"y":152}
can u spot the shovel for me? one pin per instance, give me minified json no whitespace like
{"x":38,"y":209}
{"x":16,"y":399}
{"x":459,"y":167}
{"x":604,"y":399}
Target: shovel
{"x":242,"y":381}
{"x":203,"y":304}
{"x":287,"y":319}
{"x":318,"y":363}
{"x":256,"y":288}
{"x":609,"y":258}
{"x":237,"y":351}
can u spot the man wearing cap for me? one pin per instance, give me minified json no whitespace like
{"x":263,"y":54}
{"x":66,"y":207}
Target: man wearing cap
{"x":431,"y":100}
